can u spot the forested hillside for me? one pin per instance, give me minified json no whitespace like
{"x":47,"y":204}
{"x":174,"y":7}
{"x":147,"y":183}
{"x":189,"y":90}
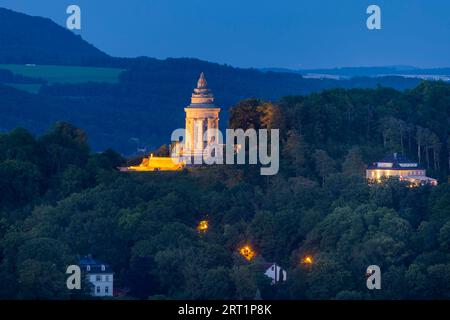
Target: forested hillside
{"x":60,"y":201}
{"x":26,"y":39}
{"x":148,"y":103}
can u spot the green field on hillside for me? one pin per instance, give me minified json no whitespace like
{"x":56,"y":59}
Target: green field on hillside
{"x":66,"y":74}
{"x":28,"y":87}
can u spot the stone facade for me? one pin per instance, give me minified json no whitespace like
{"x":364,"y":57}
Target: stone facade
{"x":201,"y":116}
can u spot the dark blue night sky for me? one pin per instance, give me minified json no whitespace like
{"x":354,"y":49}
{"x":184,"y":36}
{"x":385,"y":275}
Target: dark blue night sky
{"x":262,"y":33}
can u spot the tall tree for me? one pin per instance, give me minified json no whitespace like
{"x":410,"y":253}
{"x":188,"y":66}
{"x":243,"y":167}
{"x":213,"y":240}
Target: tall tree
{"x":436,"y":146}
{"x":427,"y":142}
{"x":64,"y":145}
{"x":420,"y":141}
{"x":410,"y":132}
{"x":324,"y":164}
{"x":245,"y":115}
{"x":393,"y":131}
{"x":295,"y":148}
{"x":448,"y":150}
{"x":353,"y":163}
{"x":270,"y":116}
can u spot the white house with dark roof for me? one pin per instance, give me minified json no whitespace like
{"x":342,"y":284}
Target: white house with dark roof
{"x":275,"y":272}
{"x":99,"y":275}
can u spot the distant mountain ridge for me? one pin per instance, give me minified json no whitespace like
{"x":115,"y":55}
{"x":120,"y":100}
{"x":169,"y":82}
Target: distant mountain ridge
{"x":36,"y":40}
{"x":349,"y":72}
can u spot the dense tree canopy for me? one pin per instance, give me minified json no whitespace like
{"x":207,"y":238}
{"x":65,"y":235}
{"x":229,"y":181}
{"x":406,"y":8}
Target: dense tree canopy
{"x":59,"y":201}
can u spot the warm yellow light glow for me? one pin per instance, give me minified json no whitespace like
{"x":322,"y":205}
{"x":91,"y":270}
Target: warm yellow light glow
{"x":202,"y":226}
{"x":415,"y":177}
{"x":157,"y":164}
{"x":308,"y":260}
{"x":247,"y":252}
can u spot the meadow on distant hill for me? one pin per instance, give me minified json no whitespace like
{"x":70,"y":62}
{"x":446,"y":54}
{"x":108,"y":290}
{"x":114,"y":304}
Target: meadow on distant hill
{"x":60,"y":74}
{"x":65,"y":74}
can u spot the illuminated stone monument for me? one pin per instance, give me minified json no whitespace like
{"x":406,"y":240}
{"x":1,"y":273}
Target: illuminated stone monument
{"x":202,"y":117}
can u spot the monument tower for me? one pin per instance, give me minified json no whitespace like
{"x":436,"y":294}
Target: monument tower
{"x":201,"y":116}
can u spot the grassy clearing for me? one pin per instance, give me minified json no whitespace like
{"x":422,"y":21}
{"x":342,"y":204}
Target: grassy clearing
{"x":31,"y":88}
{"x":66,"y":74}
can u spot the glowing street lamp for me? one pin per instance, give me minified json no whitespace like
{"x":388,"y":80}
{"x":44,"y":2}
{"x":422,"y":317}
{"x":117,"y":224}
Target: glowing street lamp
{"x":203,"y":226}
{"x":308,"y":260}
{"x":247,"y":252}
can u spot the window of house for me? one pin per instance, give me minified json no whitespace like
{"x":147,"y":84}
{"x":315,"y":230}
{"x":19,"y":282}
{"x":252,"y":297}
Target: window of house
{"x":103,"y":267}
{"x":88,"y":268}
{"x":98,"y":278}
{"x":98,"y":289}
{"x":106,"y":289}
{"x":106,"y":278}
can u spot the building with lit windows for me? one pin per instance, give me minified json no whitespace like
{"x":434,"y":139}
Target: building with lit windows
{"x":399,"y":166}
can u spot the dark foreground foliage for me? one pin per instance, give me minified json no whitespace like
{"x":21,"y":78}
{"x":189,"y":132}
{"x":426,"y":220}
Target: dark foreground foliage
{"x":59,"y":201}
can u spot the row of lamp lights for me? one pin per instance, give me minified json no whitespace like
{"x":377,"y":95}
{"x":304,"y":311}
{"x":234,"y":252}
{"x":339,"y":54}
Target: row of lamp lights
{"x":247,"y":251}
